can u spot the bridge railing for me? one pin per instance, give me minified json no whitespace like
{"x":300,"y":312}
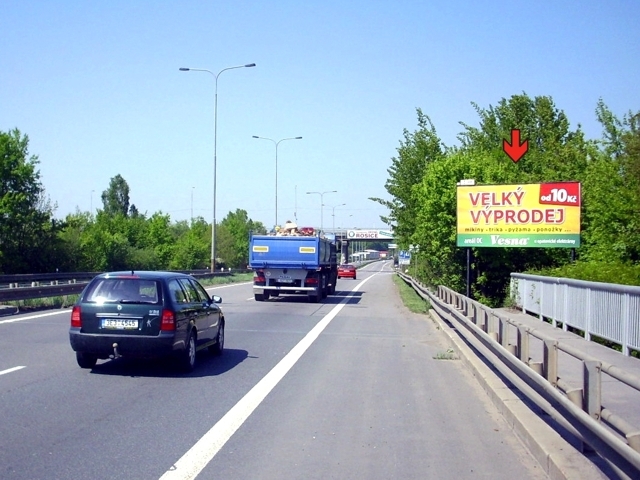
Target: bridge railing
{"x":609,"y":311}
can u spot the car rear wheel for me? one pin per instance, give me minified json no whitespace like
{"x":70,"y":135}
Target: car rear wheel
{"x":85,"y":360}
{"x":187,"y":360}
{"x":219,"y":345}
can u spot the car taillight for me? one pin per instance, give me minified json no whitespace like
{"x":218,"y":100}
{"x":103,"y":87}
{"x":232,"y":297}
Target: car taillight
{"x":168,"y":323}
{"x":76,"y":318}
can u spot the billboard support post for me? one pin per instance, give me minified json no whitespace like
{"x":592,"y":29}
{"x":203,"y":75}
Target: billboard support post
{"x":468,"y":272}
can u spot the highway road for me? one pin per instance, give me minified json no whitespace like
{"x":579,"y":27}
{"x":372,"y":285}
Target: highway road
{"x":345,"y":389}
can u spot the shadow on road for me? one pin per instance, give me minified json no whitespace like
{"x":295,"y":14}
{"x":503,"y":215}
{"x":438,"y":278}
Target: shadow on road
{"x":206,"y":366}
{"x":335,"y":299}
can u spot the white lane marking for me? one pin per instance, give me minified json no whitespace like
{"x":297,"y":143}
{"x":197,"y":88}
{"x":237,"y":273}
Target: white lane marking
{"x":9,"y":370}
{"x":228,"y":285}
{"x":198,"y":456}
{"x":251,"y":298}
{"x":31,"y":317}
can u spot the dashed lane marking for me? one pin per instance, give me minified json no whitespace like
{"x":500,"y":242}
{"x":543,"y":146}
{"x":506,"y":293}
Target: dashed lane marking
{"x":9,"y":370}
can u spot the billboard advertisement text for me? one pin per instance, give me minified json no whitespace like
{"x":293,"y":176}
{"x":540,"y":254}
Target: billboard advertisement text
{"x":543,"y":215}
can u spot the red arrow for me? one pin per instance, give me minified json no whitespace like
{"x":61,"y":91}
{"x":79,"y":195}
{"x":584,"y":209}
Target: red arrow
{"x":515,"y":149}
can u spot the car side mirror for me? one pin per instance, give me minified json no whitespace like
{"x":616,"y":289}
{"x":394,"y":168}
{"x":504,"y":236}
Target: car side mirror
{"x":216,"y":299}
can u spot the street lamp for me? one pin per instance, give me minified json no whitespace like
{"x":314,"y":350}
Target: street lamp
{"x":322,"y":203}
{"x":192,"y":189}
{"x":276,"y":144}
{"x":333,"y":215}
{"x":215,"y":149}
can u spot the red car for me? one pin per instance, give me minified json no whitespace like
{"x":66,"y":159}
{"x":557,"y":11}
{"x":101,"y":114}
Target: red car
{"x":347,"y":270}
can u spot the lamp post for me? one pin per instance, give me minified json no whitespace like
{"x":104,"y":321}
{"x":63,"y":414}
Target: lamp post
{"x":192,"y":189}
{"x":276,"y":144}
{"x":333,"y":215}
{"x":322,"y":203}
{"x":215,"y":149}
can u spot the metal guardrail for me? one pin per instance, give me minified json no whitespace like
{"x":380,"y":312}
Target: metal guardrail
{"x":607,"y":310}
{"x":30,"y":286}
{"x":40,"y":291}
{"x":578,"y":409}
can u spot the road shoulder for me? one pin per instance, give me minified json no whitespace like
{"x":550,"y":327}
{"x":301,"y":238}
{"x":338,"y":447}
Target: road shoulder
{"x":559,"y":459}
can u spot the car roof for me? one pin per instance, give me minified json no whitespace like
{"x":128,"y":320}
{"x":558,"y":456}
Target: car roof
{"x":142,"y":274}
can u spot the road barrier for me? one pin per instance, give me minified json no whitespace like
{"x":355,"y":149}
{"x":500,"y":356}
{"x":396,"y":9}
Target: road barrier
{"x":30,"y":286}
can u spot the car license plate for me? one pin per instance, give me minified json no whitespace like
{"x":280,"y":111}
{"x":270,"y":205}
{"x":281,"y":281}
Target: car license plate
{"x":119,"y":323}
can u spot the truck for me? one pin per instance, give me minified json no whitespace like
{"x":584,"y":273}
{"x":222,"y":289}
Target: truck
{"x":296,"y":265}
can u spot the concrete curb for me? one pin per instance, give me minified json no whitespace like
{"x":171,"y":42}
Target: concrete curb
{"x":558,"y":458}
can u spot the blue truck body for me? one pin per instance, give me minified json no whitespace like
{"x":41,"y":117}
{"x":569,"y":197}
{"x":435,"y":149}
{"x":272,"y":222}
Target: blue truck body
{"x":283,"y":265}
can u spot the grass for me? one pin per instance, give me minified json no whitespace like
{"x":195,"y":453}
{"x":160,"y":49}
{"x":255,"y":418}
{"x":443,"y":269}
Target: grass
{"x":410,"y":298}
{"x":62,"y":301}
{"x":235,"y":278}
{"x":450,"y":354}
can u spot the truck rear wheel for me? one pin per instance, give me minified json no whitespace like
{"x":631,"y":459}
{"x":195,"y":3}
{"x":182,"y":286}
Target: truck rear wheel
{"x":259,"y":297}
{"x":315,"y":298}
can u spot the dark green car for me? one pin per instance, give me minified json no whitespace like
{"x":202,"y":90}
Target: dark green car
{"x":145,"y":315}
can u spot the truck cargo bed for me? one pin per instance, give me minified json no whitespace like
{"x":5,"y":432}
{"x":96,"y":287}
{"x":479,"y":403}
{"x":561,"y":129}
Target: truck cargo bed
{"x":309,"y":253}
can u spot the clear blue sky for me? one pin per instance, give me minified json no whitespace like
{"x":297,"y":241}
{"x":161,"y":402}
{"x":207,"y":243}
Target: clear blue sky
{"x":96,"y":87}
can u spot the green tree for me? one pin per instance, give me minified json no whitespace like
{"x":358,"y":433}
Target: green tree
{"x":612,"y":191}
{"x":72,"y":237}
{"x":105,"y":243}
{"x":193,"y":246}
{"x":160,"y":238}
{"x":115,"y":199}
{"x":28,"y":233}
{"x":556,"y":153}
{"x":416,"y":152}
{"x":233,"y":238}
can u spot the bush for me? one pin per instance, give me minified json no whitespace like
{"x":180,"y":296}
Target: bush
{"x":594,"y":271}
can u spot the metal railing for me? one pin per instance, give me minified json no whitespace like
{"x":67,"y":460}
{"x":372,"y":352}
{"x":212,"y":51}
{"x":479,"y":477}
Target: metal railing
{"x":578,"y":408}
{"x":609,"y":311}
{"x":46,"y":285}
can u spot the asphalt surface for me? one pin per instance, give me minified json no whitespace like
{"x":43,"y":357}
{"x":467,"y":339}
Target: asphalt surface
{"x":349,"y":388}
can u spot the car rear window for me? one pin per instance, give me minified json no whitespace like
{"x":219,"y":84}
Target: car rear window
{"x":123,"y":290}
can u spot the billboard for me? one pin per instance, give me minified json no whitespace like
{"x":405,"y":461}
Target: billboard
{"x":545,"y":215}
